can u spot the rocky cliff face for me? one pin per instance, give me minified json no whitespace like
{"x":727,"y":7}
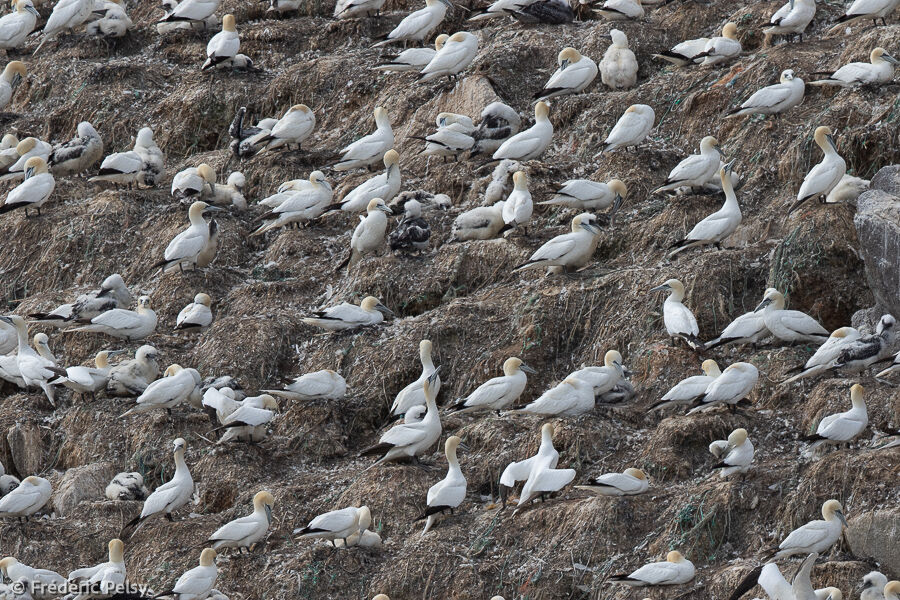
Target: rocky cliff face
{"x":877,"y":223}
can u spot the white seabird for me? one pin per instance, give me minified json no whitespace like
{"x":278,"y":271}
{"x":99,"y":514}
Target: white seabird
{"x":385,"y":186}
{"x":678,"y":319}
{"x":715,"y":228}
{"x":123,"y":323}
{"x":619,"y":67}
{"x":721,"y":48}
{"x":674,"y":571}
{"x":7,"y":482}
{"x":34,"y":191}
{"x":186,"y":247}
{"x":337,"y":524}
{"x":412,"y":233}
{"x":194,"y":12}
{"x":170,"y":391}
{"x":518,"y":208}
{"x":171,"y":495}
{"x":28,"y":148}
{"x":196,"y":316}
{"x":105,"y":579}
{"x":198,"y":582}
{"x":246,"y":531}
{"x":696,"y":169}
{"x":452,"y":138}
{"x":455,"y":56}
{"x":789,"y":325}
{"x":418,"y":25}
{"x":66,"y":15}
{"x":414,"y":393}
{"x":892,"y":590}
{"x":631,"y":128}
{"x":413,"y":59}
{"x":110,"y":20}
{"x":621,"y":10}
{"x":732,"y":386}
{"x":90,"y":380}
{"x":748,"y":328}
{"x":869,"y":9}
{"x":411,"y":440}
{"x":131,"y":377}
{"x":574,"y":73}
{"x":826,"y":355}
{"x":873,"y":586}
{"x":232,"y":193}
{"x":481,"y":223}
{"x":689,"y":389}
{"x":865,"y":351}
{"x":33,"y":367}
{"x":823,"y":177}
{"x":539,"y":472}
{"x":29,"y":497}
{"x":568,"y":251}
{"x":319,"y":385}
{"x":127,"y":486}
{"x":569,"y":398}
{"x":815,"y":536}
{"x":9,"y":339}
{"x":144,"y":165}
{"x":369,"y":234}
{"x":348,"y":9}
{"x":498,"y":123}
{"x":448,"y":493}
{"x":499,"y":392}
{"x":683,"y":53}
{"x":630,"y":482}
{"x":584,"y":194}
{"x":297,"y":206}
{"x":848,"y":189}
{"x":532,"y":142}
{"x":842,"y":427}
{"x":294,"y":127}
{"x":346,"y":316}
{"x":41,"y":583}
{"x":78,"y":154}
{"x":773,"y":99}
{"x":553,"y":12}
{"x":879,"y":70}
{"x":771,"y":580}
{"x":895,"y":366}
{"x":194,"y":181}
{"x":16,"y":26}
{"x":364,"y":538}
{"x":792,"y":18}
{"x":224,"y":45}
{"x":249,"y":421}
{"x":735,"y":453}
{"x":370,"y":149}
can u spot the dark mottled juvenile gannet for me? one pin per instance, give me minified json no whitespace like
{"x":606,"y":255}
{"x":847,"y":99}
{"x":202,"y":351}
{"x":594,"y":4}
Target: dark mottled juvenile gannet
{"x":127,"y":486}
{"x":498,"y":123}
{"x":78,"y":154}
{"x":412,"y":232}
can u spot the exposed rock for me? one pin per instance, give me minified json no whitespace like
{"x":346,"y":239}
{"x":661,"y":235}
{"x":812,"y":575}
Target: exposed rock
{"x":878,"y":227}
{"x":81,"y":483}
{"x":26,"y":447}
{"x":875,"y":534}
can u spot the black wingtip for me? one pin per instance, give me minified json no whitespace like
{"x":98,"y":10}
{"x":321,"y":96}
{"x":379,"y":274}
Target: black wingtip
{"x":748,"y":583}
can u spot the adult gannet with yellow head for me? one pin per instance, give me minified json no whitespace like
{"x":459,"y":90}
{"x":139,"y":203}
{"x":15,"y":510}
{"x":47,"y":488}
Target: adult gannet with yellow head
{"x":571,"y":250}
{"x":414,"y":393}
{"x":630,"y":482}
{"x":66,"y":16}
{"x":675,"y":570}
{"x":369,"y":234}
{"x":735,"y":454}
{"x":448,"y":493}
{"x":385,"y":185}
{"x":573,"y":74}
{"x":123,"y":323}
{"x":696,"y":169}
{"x":346,"y":316}
{"x":631,"y":128}
{"x":185,"y":247}
{"x":12,"y":76}
{"x":198,"y":582}
{"x":457,"y":53}
{"x":418,"y":25}
{"x":773,"y":99}
{"x":678,"y":319}
{"x":878,"y":71}
{"x":224,"y":45}
{"x":171,"y":495}
{"x":246,"y":531}
{"x":196,"y":316}
{"x":716,"y":227}
{"x":31,"y":496}
{"x":539,"y":472}
{"x":413,"y":59}
{"x":170,"y":391}
{"x":18,"y":25}
{"x":499,"y":392}
{"x":689,"y":389}
{"x":532,"y":142}
{"x":369,"y":149}
{"x":34,"y":191}
{"x":823,"y":177}
{"x":108,"y":577}
{"x":319,"y":385}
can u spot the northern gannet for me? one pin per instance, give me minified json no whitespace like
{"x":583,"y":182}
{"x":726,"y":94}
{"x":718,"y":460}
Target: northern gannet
{"x":732,"y":386}
{"x":297,"y":206}
{"x":294,"y":127}
{"x":127,"y":486}
{"x":171,"y":495}
{"x":324,"y":385}
{"x":865,"y":351}
{"x":8,"y":150}
{"x":346,"y":316}
{"x":455,"y":56}
{"x":196,"y":316}
{"x":603,"y":379}
{"x":539,"y":472}
{"x":499,"y":392}
{"x":185,"y":248}
{"x":826,"y":355}
{"x":842,"y":427}
{"x":532,"y":142}
{"x":735,"y":453}
{"x":232,"y":193}
{"x":414,"y":393}
{"x":715,"y":228}
{"x":131,"y":377}
{"x":123,"y":323}
{"x":33,"y":367}
{"x":7,"y":482}
{"x":198,"y":582}
{"x":848,"y":189}
{"x":628,"y":483}
{"x":873,"y":586}
{"x":28,"y":148}
{"x":498,"y":188}
{"x":789,"y":325}
{"x":370,"y":149}
{"x":553,"y":12}
{"x":869,"y":9}
{"x":748,"y":328}
{"x":18,"y":25}
{"x":631,"y":128}
{"x":498,"y":123}
{"x":348,"y":9}
{"x":573,"y":74}
{"x":246,"y":531}
{"x":892,"y":590}
{"x":78,"y":154}
{"x":689,"y":389}
{"x":105,"y":579}
{"x":42,"y":584}
{"x":221,"y":401}
{"x":144,"y":165}
{"x":482,"y":223}
{"x":413,"y":59}
{"x":570,"y":250}
{"x":823,"y":177}
{"x":249,"y":421}
{"x":879,"y":70}
{"x":452,"y":138}
{"x":362,"y":538}
{"x":448,"y":493}
{"x":895,"y":366}
{"x":113,"y":21}
{"x":683,"y":53}
{"x":418,"y":25}
{"x":90,"y":380}
{"x":792,"y":18}
{"x":678,"y":319}
{"x":369,"y":233}
{"x":584,"y":194}
{"x":412,"y":232}
{"x":411,"y":440}
{"x":385,"y":186}
{"x":245,"y":138}
{"x":29,"y":497}
{"x":194,"y":181}
{"x":619,"y":67}
{"x":621,"y":10}
{"x":815,"y":536}
{"x":773,"y":99}
{"x":9,"y":339}
{"x":34,"y":191}
{"x":170,"y":391}
{"x":518,"y":207}
{"x":66,"y":16}
{"x":337,"y":524}
{"x":771,"y":580}
{"x":721,"y":48}
{"x":224,"y":45}
{"x":569,"y":398}
{"x":194,"y":12}
{"x":674,"y":571}
{"x":696,"y":169}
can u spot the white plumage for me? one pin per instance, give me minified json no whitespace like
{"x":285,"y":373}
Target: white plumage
{"x":369,"y":234}
{"x":689,"y":389}
{"x":569,"y":250}
{"x":123,"y":323}
{"x":448,"y":493}
{"x":186,"y":247}
{"x":715,"y":228}
{"x":192,"y":10}
{"x":735,"y":454}
{"x":294,"y":127}
{"x":418,"y":25}
{"x":348,"y":9}
{"x":879,"y":70}
{"x":371,"y":148}
{"x":144,"y":165}
{"x":792,"y":17}
{"x":18,"y":25}
{"x":602,"y":379}
{"x":34,"y":191}
{"x":244,"y":532}
{"x":674,"y":571}
{"x":823,"y":177}
{"x":619,"y":67}
{"x":773,"y":99}
{"x":732,"y":386}
{"x":696,"y":169}
{"x":88,"y":379}
{"x":683,"y":53}
{"x":518,"y":208}
{"x":722,"y":48}
{"x":628,"y":483}
{"x":499,"y":392}
{"x":789,"y":325}
{"x":844,"y":426}
{"x":584,"y":194}
{"x":409,"y":440}
{"x":196,"y":316}
{"x":385,"y":185}
{"x":131,"y":377}
{"x":414,"y":393}
{"x":197,"y":583}
{"x":173,"y":494}
{"x":224,"y":45}
{"x":324,"y":385}
{"x":170,"y":391}
{"x":532,"y":142}
{"x":39,"y":581}
{"x":349,"y":316}
{"x":574,"y":73}
{"x":621,"y":10}
{"x":815,"y":536}
{"x":826,"y":355}
{"x":296,"y":205}
{"x":107,"y":578}
{"x":413,"y":59}
{"x":66,"y":15}
{"x":631,"y":128}
{"x":570,"y":398}
{"x":336,"y":524}
{"x":678,"y":319}
{"x":538,"y":472}
{"x":481,"y":223}
{"x":455,"y":55}
{"x":870,"y":9}
{"x":29,"y":497}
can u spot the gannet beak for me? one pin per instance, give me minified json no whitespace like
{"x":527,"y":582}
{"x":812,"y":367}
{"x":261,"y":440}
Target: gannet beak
{"x":448,"y":4}
{"x":434,"y":376}
{"x":564,"y":64}
{"x":29,"y":172}
{"x":212,"y":209}
{"x":385,"y":209}
{"x":831,"y":139}
{"x":462,"y":447}
{"x":762,"y":305}
{"x":268,"y":513}
{"x":590,"y":229}
{"x":617,"y":203}
{"x":840,"y":515}
{"x":103,"y":292}
{"x":33,"y":11}
{"x":6,"y":319}
{"x":384,"y":310}
{"x":729,"y":165}
{"x":114,"y":352}
{"x":527,"y":369}
{"x":792,"y":4}
{"x":890,"y":59}
{"x":661,"y":288}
